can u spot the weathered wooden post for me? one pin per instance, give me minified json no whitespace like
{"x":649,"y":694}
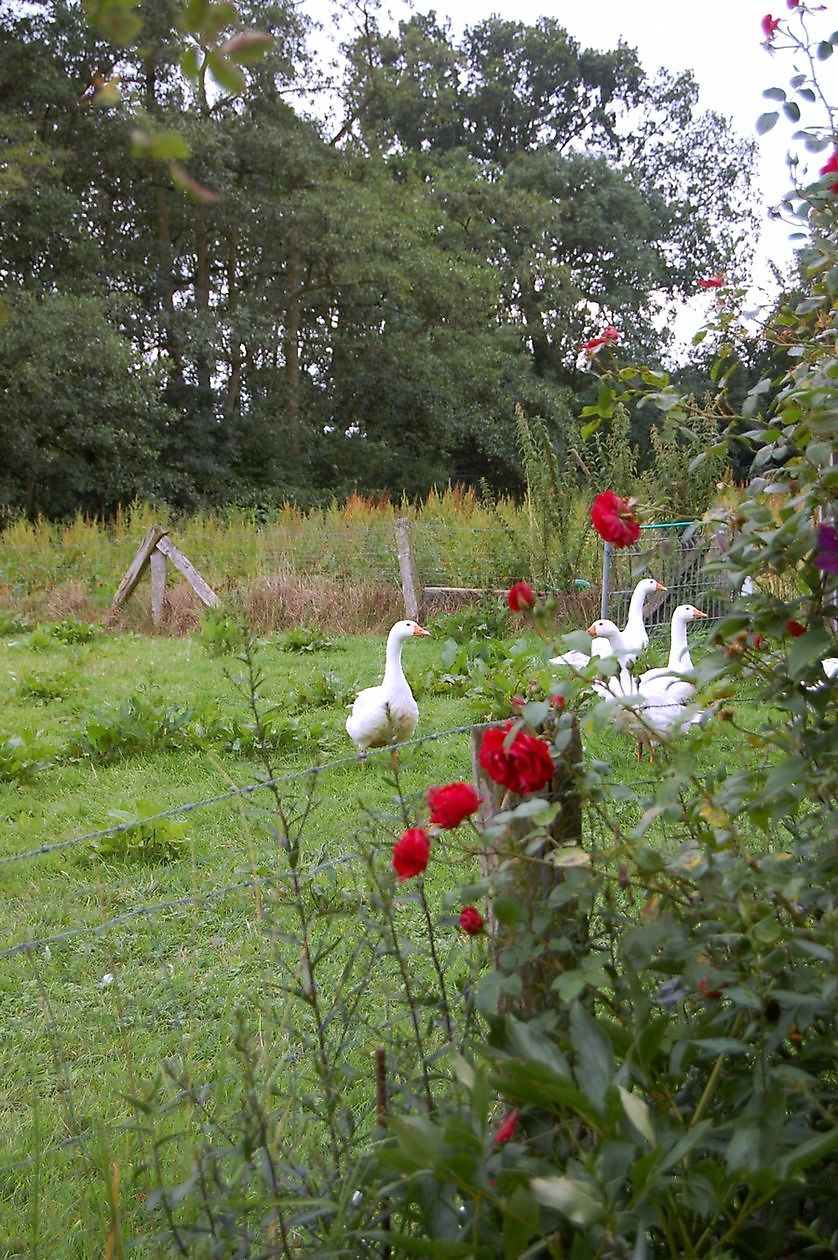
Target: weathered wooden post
{"x":154,"y":552}
{"x":529,"y":876}
{"x":407,"y":567}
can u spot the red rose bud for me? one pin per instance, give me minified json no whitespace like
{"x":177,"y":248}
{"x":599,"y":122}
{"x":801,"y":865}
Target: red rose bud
{"x":411,"y":853}
{"x":614,"y":520}
{"x":449,"y":805}
{"x":507,"y":1129}
{"x":557,"y":702}
{"x":706,"y":992}
{"x":610,"y":336}
{"x":471,"y":921}
{"x":520,"y":597}
{"x":795,"y":629}
{"x":712,"y":282}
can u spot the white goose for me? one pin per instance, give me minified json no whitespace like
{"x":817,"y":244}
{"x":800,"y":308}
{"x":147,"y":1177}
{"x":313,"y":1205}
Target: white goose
{"x":680,"y":661}
{"x":658,"y":701}
{"x":388,"y":713}
{"x":634,"y":632}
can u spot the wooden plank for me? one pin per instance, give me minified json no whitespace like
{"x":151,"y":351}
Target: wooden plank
{"x":201,"y":588}
{"x":137,"y":566}
{"x":465,"y":590}
{"x":407,"y":567}
{"x":157,"y":562}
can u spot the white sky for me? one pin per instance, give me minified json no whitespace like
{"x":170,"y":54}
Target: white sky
{"x":721,"y":41}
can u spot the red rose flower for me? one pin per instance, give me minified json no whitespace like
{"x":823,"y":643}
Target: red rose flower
{"x":520,"y":597}
{"x":769,"y":25}
{"x":793,"y":4}
{"x":471,"y":921}
{"x":411,"y":853}
{"x":525,"y":765}
{"x":507,"y":1129}
{"x":609,"y":337}
{"x":449,"y":805}
{"x":831,"y":165}
{"x":712,"y":282}
{"x":614,"y":520}
{"x":795,"y":629}
{"x":557,"y":702}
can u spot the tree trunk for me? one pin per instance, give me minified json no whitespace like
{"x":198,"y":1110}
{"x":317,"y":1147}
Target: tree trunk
{"x":293,"y":320}
{"x":233,"y":393}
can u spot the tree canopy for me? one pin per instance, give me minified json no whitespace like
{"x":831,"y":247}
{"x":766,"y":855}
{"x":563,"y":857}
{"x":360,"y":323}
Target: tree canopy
{"x":290,"y":310}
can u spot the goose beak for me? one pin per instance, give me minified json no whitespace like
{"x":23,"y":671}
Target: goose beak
{"x":697,"y":613}
{"x":591,"y":630}
{"x":659,"y":586}
{"x":420,"y":631}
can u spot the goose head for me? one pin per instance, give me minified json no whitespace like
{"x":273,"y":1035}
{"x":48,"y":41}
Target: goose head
{"x":647,"y":586}
{"x":605,"y":629}
{"x":689,"y":612}
{"x":403,"y":630}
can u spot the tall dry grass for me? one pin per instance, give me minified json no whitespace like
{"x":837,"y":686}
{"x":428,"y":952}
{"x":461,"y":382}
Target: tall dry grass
{"x":332,"y":568}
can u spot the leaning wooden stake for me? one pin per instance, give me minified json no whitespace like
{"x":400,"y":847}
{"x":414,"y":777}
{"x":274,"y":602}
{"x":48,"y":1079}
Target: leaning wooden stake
{"x":153,"y":553}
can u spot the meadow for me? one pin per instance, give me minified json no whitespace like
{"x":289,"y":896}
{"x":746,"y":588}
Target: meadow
{"x":156,"y":953}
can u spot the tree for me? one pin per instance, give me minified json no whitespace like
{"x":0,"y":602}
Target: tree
{"x":84,"y":426}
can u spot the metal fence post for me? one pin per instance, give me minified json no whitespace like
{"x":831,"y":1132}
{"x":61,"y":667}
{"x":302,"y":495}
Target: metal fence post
{"x":606,"y":579}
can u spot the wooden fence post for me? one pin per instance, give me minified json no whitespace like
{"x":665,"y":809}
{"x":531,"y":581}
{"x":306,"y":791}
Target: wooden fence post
{"x":530,"y":876}
{"x":154,"y":551}
{"x":407,"y":568}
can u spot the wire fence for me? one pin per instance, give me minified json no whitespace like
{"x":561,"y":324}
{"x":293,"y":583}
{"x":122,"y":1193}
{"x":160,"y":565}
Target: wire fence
{"x":676,"y":553}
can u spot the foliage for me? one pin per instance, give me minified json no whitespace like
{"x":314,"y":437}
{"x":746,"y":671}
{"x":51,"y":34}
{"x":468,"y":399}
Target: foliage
{"x":142,"y":836}
{"x":220,"y":633}
{"x":23,"y":755}
{"x":636,"y":1059}
{"x":88,"y":424}
{"x":556,"y":541}
{"x":304,"y":639}
{"x":211,"y":300}
{"x":142,"y":722}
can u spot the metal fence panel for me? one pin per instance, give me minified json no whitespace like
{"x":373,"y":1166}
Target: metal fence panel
{"x":676,"y":553}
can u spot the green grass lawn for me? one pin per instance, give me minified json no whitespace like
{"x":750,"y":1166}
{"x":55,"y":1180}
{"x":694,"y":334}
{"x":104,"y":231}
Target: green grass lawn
{"x":135,"y":960}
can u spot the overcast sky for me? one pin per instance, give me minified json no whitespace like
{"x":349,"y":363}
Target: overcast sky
{"x":721,"y":41}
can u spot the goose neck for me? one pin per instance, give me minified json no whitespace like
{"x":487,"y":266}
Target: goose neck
{"x":636,"y":604}
{"x":678,"y":652}
{"x":393,"y":659}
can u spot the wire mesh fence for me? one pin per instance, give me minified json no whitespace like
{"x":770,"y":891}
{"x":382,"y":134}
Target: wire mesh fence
{"x":676,"y":553}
